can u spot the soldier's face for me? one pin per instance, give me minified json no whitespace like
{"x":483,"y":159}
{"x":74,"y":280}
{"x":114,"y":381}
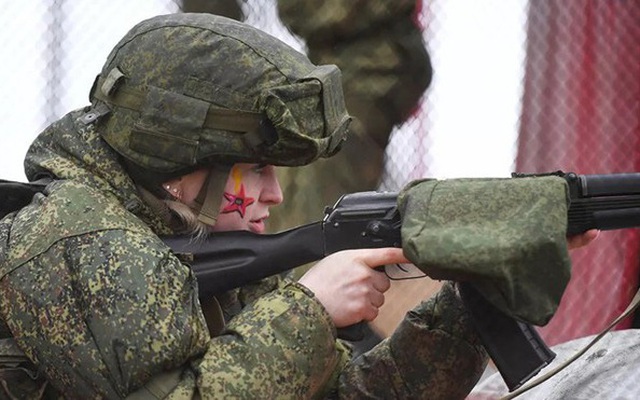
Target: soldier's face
{"x":250,"y":191}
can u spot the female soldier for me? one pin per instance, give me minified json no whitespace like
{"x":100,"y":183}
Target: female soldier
{"x":187,"y":119}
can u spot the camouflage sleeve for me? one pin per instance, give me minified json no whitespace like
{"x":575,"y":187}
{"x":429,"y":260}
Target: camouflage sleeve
{"x":434,"y":353}
{"x":111,"y":312}
{"x":283,"y":345}
{"x":101,"y":313}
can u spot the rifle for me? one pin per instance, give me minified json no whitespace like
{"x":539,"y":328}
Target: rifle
{"x":227,"y":260}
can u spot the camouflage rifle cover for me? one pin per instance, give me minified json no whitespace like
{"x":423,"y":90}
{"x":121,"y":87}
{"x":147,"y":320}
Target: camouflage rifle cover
{"x":507,"y":236}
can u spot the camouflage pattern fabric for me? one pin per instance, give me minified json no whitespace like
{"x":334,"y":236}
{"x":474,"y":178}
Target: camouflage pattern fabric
{"x":165,"y":105}
{"x":385,"y":70}
{"x":507,"y":236}
{"x":97,"y":302}
{"x":168,"y":108}
{"x":379,"y":49}
{"x":430,"y":347}
{"x":103,"y":309}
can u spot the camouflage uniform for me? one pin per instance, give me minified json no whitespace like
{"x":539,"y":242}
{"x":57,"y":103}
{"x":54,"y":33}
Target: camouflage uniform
{"x":103,"y":309}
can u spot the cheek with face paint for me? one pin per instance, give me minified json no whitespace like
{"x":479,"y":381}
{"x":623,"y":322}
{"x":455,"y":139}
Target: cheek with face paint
{"x":235,"y":204}
{"x":237,"y":201}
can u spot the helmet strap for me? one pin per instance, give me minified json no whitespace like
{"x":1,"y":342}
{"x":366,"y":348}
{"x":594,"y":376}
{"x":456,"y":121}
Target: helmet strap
{"x":210,"y":195}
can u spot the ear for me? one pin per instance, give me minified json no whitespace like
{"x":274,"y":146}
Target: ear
{"x":174,"y":188}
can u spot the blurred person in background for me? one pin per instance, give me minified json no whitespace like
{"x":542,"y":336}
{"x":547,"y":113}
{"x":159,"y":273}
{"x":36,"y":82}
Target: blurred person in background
{"x":379,"y":48}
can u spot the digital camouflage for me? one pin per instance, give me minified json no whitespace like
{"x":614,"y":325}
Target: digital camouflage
{"x":103,"y":309}
{"x":83,"y":277}
{"x":432,"y":354}
{"x":507,"y":235}
{"x":178,"y":102}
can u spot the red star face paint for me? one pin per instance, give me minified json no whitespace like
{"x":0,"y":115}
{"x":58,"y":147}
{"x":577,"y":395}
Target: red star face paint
{"x":250,"y":191}
{"x":237,"y":201}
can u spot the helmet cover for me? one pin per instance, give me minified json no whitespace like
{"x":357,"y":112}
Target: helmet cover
{"x":190,"y":90}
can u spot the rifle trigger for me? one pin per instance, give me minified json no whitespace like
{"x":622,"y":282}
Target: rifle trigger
{"x":389,"y":235}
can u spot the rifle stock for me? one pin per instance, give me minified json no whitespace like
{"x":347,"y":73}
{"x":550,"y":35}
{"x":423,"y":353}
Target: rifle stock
{"x":228,"y":260}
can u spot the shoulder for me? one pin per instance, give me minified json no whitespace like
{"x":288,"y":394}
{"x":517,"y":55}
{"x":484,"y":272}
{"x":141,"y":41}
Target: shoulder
{"x":68,"y":209}
{"x":78,"y":208}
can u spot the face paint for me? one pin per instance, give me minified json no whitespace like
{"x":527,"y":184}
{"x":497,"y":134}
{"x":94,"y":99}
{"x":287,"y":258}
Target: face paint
{"x":250,"y":191}
{"x":237,"y":201}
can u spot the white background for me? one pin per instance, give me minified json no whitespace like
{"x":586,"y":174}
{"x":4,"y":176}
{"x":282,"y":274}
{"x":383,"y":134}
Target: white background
{"x":477,"y":52}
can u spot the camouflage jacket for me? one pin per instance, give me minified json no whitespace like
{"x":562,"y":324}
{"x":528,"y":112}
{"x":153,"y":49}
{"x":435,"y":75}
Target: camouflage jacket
{"x":103,"y":309}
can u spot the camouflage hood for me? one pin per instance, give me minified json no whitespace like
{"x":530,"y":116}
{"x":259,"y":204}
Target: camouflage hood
{"x":70,"y":149}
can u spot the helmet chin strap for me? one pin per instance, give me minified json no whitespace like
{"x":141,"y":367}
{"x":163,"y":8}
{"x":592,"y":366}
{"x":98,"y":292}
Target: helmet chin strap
{"x":207,"y":203}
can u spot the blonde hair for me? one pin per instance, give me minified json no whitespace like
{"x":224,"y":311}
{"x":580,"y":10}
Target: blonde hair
{"x":188,"y":219}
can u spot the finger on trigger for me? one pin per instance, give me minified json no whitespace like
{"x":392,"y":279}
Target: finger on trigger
{"x":383,"y":256}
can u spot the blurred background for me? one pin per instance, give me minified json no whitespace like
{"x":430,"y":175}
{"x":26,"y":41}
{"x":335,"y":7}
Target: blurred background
{"x":439,"y":89}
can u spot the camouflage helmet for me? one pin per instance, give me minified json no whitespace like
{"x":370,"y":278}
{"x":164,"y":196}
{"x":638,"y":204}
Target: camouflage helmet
{"x":183,"y":91}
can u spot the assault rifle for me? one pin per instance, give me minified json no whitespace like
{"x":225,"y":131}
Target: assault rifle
{"x":228,"y":260}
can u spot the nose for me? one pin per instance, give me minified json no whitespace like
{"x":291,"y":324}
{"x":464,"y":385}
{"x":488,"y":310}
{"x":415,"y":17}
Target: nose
{"x":271,"y":190}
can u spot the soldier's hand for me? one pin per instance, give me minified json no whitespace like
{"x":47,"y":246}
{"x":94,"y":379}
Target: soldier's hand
{"x":348,"y":286}
{"x":583,"y":239}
